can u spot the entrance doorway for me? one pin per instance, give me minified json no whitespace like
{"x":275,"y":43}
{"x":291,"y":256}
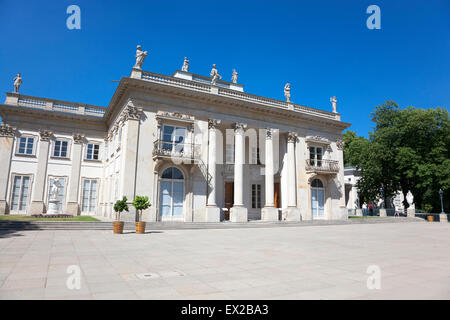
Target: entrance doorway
{"x":171,"y":195}
{"x":317,"y":199}
{"x":229,"y":198}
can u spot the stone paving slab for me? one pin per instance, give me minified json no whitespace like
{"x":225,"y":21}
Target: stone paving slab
{"x":299,"y":262}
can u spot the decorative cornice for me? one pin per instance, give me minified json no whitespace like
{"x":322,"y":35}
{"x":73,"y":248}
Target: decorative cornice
{"x":175,"y":115}
{"x":317,"y":139}
{"x":78,"y":138}
{"x":45,"y":135}
{"x":292,"y":137}
{"x":131,"y":113}
{"x":213,"y":123}
{"x":340,"y":144}
{"x":7,"y":131}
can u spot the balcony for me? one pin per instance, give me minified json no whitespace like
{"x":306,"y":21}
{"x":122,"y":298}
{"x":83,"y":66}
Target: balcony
{"x":322,"y":166}
{"x":173,"y":150}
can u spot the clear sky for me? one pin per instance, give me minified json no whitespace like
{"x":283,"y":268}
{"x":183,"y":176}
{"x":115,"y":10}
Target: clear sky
{"x":323,"y":48}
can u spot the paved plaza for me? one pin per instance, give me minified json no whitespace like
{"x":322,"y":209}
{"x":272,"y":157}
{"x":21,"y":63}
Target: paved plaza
{"x":308,"y":262}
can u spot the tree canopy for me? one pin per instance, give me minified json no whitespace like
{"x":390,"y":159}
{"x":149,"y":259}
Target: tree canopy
{"x":408,"y":149}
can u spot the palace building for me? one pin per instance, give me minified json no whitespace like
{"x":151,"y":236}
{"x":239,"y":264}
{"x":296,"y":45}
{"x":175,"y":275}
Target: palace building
{"x":200,"y":148}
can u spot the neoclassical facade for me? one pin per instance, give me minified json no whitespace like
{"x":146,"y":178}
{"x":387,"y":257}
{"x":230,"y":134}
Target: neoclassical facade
{"x":201,"y":150}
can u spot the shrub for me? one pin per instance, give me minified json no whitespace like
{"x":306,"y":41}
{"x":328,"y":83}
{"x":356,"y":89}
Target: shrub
{"x":140,"y":203}
{"x":120,"y":206}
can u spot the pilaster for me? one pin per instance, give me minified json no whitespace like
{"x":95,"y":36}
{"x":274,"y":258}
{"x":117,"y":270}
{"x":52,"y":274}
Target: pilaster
{"x":6,"y":148}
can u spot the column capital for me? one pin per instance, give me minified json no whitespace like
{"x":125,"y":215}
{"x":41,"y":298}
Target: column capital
{"x":78,"y":138}
{"x":292,"y":137}
{"x":240,"y":126}
{"x":213,"y":123}
{"x":45,"y":135}
{"x":131,"y":113}
{"x":7,"y":131}
{"x":340,"y":144}
{"x":269,"y":133}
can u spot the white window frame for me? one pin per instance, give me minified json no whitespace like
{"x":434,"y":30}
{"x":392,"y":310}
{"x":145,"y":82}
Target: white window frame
{"x":35,"y":142}
{"x":54,"y":148}
{"x":30,"y":187}
{"x":93,"y":143}
{"x":313,"y":161}
{"x":89,"y":211}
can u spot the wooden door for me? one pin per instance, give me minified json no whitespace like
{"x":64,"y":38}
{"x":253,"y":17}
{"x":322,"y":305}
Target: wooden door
{"x":276,"y":192}
{"x":229,"y":198}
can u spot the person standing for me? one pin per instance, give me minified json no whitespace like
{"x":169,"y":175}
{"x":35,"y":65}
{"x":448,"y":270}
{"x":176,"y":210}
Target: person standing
{"x":364,"y":209}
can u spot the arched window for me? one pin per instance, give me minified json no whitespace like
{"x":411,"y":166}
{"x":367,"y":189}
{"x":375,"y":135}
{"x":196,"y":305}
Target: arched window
{"x":317,"y":183}
{"x":172,"y":173}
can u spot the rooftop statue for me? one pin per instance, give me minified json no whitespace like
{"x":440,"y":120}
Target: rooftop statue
{"x":214,"y":75}
{"x":235,"y":76}
{"x":185,"y":66}
{"x":17,"y":83}
{"x":287,"y":92}
{"x":334,"y":104}
{"x":140,"y":57}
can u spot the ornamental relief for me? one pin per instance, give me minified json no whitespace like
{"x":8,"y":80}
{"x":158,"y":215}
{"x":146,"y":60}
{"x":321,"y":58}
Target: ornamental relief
{"x":175,"y":115}
{"x":7,"y":131}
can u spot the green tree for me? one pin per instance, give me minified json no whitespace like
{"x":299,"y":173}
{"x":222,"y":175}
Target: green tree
{"x":120,"y":206}
{"x":354,"y":148}
{"x":140,"y":203}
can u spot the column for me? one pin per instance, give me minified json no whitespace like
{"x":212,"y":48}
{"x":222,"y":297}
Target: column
{"x":269,"y":212}
{"x":37,"y":197}
{"x":73,"y":207}
{"x":131,"y":117}
{"x":238,"y":213}
{"x":212,"y":213}
{"x":292,"y":212}
{"x":6,"y":149}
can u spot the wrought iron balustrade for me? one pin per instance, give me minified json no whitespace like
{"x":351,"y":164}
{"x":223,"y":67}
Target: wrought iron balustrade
{"x":322,"y":165}
{"x":169,"y":149}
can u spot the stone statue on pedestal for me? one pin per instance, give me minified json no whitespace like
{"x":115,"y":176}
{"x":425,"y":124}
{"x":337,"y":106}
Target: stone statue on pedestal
{"x":334,"y":104}
{"x":287,"y":92}
{"x":185,"y":66}
{"x":140,"y":57}
{"x":410,"y":199}
{"x":234,"y":78}
{"x":214,"y":75}
{"x":53,"y":202}
{"x":17,"y":83}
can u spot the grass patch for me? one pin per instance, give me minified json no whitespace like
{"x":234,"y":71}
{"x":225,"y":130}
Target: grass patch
{"x":9,"y":217}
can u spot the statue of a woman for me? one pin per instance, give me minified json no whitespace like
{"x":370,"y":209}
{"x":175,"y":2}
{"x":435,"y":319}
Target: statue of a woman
{"x":54,"y":192}
{"x":234,"y":78}
{"x":185,"y":66}
{"x":334,"y":104}
{"x":214,"y":75}
{"x":287,"y":92}
{"x":17,"y":83}
{"x":140,"y":57}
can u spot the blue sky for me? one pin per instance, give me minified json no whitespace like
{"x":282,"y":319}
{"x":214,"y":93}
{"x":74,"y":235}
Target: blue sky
{"x":323,"y":48}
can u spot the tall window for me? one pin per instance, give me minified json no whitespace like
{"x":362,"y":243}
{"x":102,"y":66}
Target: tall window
{"x":26,"y":145}
{"x":315,"y":156}
{"x":171,"y":194}
{"x":92,"y":151}
{"x":106,"y":150}
{"x":89,"y":201}
{"x":174,"y":138}
{"x":61,"y":189}
{"x":256,"y":196}
{"x":19,"y":199}
{"x":60,"y":149}
{"x":229,"y":149}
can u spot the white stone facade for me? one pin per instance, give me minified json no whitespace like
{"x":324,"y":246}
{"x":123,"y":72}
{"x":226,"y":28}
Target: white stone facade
{"x":201,"y":152}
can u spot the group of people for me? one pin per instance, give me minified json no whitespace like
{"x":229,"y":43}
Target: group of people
{"x":367,"y":208}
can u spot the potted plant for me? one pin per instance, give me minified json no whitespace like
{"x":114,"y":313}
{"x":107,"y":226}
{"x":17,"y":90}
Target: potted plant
{"x":119,"y":207}
{"x":140,"y":203}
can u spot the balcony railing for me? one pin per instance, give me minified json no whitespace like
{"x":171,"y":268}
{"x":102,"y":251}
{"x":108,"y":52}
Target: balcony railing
{"x":176,"y":150}
{"x":323,"y":166}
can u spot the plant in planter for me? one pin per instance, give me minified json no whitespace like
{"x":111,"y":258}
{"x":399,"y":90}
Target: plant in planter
{"x":140,"y":203}
{"x":119,"y":207}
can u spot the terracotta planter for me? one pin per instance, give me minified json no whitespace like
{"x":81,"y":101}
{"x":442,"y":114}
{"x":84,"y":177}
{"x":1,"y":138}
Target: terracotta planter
{"x":118,"y":227}
{"x":430,"y":218}
{"x":140,"y":227}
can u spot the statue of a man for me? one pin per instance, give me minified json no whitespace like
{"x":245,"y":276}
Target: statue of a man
{"x":185,"y":66}
{"x":334,"y":104}
{"x":140,"y":57}
{"x":17,"y":83}
{"x":54,"y":192}
{"x":235,"y":76}
{"x":214,"y":75}
{"x":287,"y":92}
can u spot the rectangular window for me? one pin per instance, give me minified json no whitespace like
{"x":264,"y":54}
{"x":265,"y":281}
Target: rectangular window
{"x":106,"y":149}
{"x":26,"y":145}
{"x":315,"y":156}
{"x":60,"y":150}
{"x":19,"y":198}
{"x":89,"y":201}
{"x":92,"y":151}
{"x":60,"y":191}
{"x":256,"y":196}
{"x":174,"y":138}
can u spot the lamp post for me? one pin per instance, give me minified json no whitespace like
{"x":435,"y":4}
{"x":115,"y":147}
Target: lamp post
{"x":441,"y":193}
